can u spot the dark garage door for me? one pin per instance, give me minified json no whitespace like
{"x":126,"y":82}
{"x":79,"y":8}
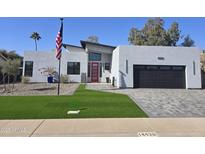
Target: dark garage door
{"x":151,"y":76}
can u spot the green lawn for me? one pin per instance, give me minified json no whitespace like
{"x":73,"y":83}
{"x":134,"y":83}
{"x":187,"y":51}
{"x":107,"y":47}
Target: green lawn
{"x":94,"y":104}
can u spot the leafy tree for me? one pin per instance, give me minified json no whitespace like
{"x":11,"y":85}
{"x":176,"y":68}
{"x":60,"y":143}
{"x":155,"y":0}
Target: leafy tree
{"x":93,"y":39}
{"x":3,"y":71}
{"x":136,"y":37}
{"x":188,"y":42}
{"x":4,"y":65}
{"x":154,"y":33}
{"x":10,"y":68}
{"x":173,"y":34}
{"x":36,"y":37}
{"x":14,"y":69}
{"x":9,"y":54}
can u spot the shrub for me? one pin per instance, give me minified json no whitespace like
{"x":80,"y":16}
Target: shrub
{"x":64,"y":78}
{"x":25,"y":80}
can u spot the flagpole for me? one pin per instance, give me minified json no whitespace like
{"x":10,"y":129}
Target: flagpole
{"x":59,"y":66}
{"x":59,"y":76}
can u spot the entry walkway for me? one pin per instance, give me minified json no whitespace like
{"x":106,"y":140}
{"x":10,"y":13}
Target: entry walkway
{"x":134,"y":127}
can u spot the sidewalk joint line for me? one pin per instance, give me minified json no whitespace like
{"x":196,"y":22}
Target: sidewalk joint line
{"x":37,"y":127}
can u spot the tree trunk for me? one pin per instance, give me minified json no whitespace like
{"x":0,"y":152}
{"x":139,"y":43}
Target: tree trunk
{"x":14,"y":80}
{"x":4,"y":82}
{"x":36,"y":44}
{"x":8,"y":82}
{"x":13,"y":83}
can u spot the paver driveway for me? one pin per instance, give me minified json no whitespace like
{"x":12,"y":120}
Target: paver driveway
{"x":169,"y":102}
{"x":164,"y":102}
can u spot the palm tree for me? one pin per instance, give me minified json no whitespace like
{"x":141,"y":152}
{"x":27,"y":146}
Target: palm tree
{"x":36,"y":36}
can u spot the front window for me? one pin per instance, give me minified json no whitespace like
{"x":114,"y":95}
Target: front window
{"x":107,"y":66}
{"x":94,"y":56}
{"x":28,"y":69}
{"x":73,"y":68}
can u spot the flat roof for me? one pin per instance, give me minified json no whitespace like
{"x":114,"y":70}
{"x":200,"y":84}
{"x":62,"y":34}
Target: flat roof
{"x":83,"y":43}
{"x":64,"y":45}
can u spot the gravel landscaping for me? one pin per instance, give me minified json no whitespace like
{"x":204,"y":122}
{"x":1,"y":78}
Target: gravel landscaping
{"x":39,"y":89}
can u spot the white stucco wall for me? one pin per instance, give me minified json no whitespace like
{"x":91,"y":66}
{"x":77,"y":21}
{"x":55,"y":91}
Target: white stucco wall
{"x":48,"y":59}
{"x":40,"y":60}
{"x":148,"y":55}
{"x":70,"y":56}
{"x":106,"y":58}
{"x":115,"y":67}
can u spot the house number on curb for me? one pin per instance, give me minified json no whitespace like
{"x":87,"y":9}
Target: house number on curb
{"x":146,"y":134}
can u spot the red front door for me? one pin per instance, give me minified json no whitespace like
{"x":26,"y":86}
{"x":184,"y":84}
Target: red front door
{"x":94,"y":72}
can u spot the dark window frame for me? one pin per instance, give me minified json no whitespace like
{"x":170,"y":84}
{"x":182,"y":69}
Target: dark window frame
{"x":28,"y":72}
{"x":74,"y":68}
{"x":90,"y":58}
{"x":107,"y":66}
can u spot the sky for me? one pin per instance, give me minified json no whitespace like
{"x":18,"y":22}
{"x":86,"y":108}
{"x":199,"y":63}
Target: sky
{"x":15,"y":32}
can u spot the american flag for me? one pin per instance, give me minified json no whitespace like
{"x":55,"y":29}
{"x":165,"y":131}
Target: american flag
{"x":59,"y":40}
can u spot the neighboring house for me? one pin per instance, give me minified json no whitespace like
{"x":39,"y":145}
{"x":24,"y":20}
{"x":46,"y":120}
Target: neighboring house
{"x":124,"y":66}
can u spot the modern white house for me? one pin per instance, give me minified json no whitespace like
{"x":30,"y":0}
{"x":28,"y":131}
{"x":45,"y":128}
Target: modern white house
{"x":124,"y":66}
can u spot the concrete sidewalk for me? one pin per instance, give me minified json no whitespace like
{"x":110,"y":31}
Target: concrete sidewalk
{"x":104,"y":127}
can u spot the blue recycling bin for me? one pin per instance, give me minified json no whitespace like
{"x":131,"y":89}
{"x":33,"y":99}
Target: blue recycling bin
{"x":50,"y":79}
